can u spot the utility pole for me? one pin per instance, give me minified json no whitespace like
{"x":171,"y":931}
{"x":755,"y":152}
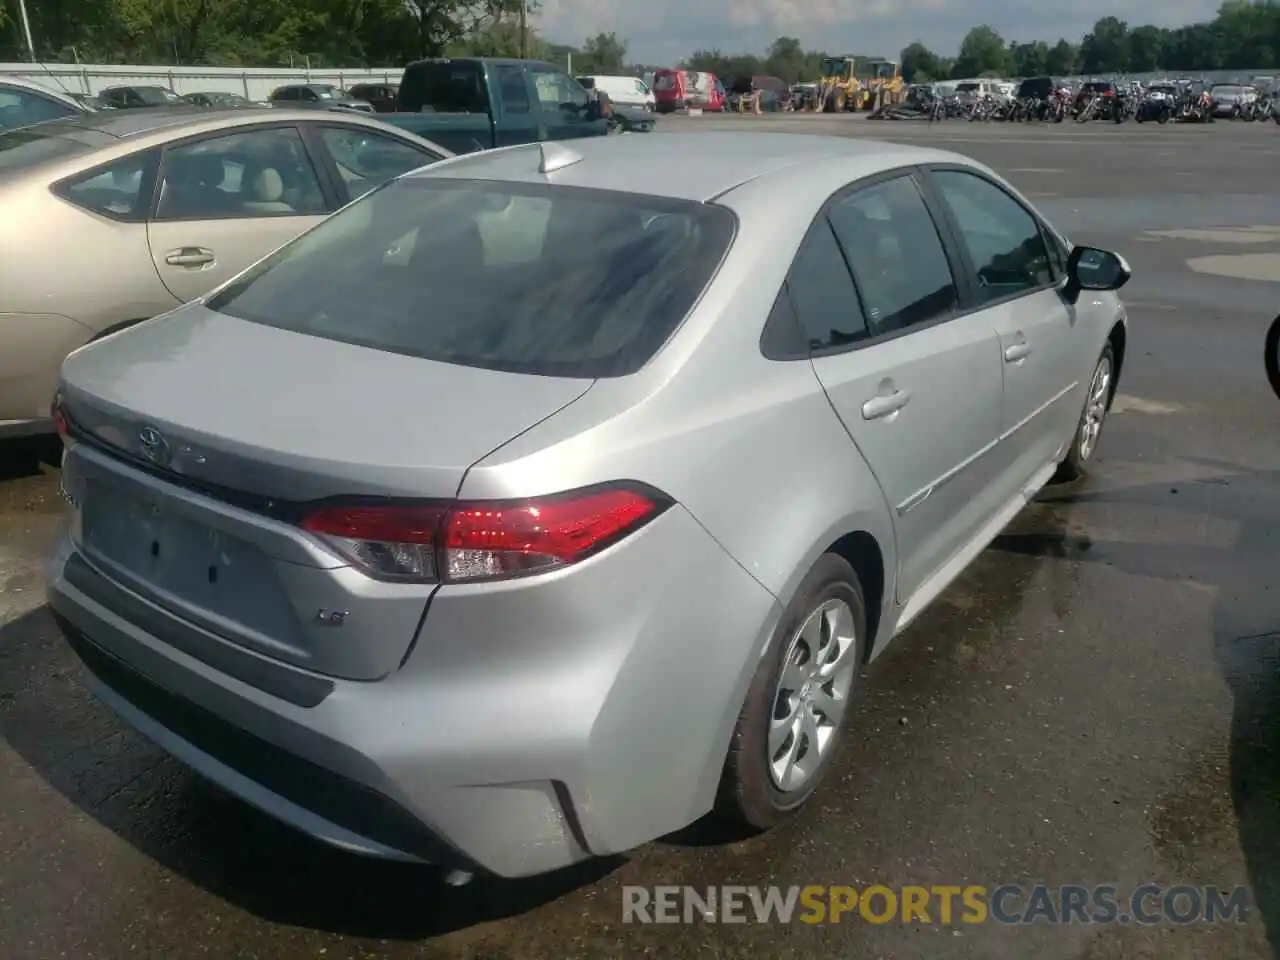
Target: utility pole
{"x":26,"y":28}
{"x":524,"y":29}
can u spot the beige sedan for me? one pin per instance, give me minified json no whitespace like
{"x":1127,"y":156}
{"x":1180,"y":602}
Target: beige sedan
{"x":111,"y":218}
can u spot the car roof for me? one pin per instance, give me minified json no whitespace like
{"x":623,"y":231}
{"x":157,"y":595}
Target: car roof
{"x":644,"y":164}
{"x":110,"y":134}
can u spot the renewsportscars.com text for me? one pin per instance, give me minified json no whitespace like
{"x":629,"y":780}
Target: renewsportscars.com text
{"x":1006,"y":904}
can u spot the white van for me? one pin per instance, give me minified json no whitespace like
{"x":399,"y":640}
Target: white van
{"x":624,"y":91}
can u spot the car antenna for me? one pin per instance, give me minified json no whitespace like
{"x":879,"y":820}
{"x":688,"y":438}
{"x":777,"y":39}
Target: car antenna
{"x":556,"y":156}
{"x":54,"y":77}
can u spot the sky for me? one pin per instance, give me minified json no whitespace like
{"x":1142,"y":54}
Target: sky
{"x":663,"y":31}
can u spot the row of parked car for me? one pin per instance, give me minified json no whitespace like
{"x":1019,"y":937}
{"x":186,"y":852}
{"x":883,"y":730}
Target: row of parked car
{"x":24,"y":101}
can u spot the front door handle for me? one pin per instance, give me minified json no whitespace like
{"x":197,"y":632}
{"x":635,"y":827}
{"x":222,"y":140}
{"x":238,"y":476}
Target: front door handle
{"x":189,"y":257}
{"x":1018,"y":351}
{"x":879,"y":407}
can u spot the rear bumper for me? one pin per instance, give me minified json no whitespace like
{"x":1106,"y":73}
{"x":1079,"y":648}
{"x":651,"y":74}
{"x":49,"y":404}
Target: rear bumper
{"x":531,"y":727}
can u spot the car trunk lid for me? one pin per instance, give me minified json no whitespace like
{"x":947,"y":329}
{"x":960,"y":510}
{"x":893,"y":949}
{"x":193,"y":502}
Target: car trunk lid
{"x":209,"y":433}
{"x":286,"y":416}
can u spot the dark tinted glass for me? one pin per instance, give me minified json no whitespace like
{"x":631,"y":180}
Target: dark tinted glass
{"x":512,"y":88}
{"x":1003,"y":239}
{"x":822,"y":292}
{"x":892,"y":243}
{"x":556,"y":281}
{"x":443,"y":87}
{"x":153,"y":95}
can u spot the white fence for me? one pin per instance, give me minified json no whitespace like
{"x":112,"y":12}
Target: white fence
{"x":252,"y":82}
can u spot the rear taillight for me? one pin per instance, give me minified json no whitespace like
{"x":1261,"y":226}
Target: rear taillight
{"x":58,"y":414}
{"x":484,"y":540}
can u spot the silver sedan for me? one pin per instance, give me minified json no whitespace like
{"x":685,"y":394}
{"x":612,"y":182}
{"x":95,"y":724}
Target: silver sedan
{"x":542,"y":501}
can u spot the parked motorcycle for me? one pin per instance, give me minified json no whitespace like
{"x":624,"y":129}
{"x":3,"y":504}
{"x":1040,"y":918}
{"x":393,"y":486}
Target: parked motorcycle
{"x":1156,"y":106}
{"x":1194,"y":107}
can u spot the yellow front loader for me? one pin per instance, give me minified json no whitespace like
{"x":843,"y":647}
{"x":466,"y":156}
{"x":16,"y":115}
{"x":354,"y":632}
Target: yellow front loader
{"x":838,"y":88}
{"x":880,"y":80}
{"x":852,"y":83}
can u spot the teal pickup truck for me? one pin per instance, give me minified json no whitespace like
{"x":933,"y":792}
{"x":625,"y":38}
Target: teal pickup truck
{"x":467,"y":104}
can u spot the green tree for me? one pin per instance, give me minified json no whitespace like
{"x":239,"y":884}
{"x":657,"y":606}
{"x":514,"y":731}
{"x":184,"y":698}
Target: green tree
{"x":982,"y":51}
{"x":1106,"y":48}
{"x":919,"y":63}
{"x":786,"y":60}
{"x":1062,"y":59}
{"x":1146,"y":48}
{"x":604,"y":54}
{"x":1030,"y":59}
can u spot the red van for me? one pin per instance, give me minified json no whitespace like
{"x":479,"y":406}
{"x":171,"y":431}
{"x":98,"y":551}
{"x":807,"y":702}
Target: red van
{"x":677,"y":89}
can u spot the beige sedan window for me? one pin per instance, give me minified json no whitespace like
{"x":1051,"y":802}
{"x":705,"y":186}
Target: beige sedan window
{"x":257,"y":173}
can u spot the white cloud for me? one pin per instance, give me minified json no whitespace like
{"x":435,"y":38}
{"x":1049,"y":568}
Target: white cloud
{"x":663,"y":31}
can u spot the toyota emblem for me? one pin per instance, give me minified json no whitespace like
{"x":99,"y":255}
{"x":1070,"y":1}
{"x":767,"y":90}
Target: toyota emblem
{"x":154,"y":446}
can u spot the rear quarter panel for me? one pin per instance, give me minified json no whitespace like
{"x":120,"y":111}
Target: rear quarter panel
{"x":750,"y":446}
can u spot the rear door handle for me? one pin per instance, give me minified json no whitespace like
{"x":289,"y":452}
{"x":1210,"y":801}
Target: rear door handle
{"x":1017,"y":351}
{"x":879,"y":407}
{"x":189,"y":257}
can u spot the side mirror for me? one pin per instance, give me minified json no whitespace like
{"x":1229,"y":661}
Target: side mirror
{"x":1271,"y":350}
{"x":1089,"y":268}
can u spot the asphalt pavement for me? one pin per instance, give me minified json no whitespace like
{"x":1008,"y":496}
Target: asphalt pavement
{"x":1097,"y":701}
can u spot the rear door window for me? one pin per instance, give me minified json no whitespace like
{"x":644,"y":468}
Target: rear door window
{"x":891,"y":243}
{"x":822,"y":293}
{"x":121,"y":190}
{"x":555,"y":281}
{"x":254,"y":173}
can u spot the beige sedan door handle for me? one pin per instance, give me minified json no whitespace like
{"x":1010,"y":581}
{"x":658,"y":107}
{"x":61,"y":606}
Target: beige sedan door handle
{"x":189,"y":257}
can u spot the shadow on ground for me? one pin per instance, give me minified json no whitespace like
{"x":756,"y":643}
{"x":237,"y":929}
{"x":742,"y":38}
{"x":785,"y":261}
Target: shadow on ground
{"x":1243,"y":576}
{"x":212,"y":839}
{"x":22,"y":457}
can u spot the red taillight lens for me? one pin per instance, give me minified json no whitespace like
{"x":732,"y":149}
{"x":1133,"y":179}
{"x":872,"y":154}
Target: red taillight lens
{"x":59,"y":415}
{"x":471,"y":541}
{"x":387,"y":541}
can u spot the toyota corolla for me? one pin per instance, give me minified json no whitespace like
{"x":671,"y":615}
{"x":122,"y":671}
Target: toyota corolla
{"x":540,"y":502}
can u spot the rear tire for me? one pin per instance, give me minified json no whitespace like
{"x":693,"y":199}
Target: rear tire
{"x":1093,"y":416}
{"x":774,"y":764}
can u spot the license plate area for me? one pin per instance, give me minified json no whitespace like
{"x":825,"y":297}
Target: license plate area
{"x":166,"y":555}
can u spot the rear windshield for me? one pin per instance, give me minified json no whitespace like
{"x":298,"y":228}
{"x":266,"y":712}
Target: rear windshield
{"x":1097,"y":88}
{"x":22,"y":149}
{"x":966,"y":87}
{"x":665,"y":81}
{"x":1035,"y":86}
{"x":444,"y":86}
{"x":1227,"y":90}
{"x":547,"y":280}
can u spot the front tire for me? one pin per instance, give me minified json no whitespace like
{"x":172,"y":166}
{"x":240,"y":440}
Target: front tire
{"x":795,"y":708}
{"x":1097,"y":404}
